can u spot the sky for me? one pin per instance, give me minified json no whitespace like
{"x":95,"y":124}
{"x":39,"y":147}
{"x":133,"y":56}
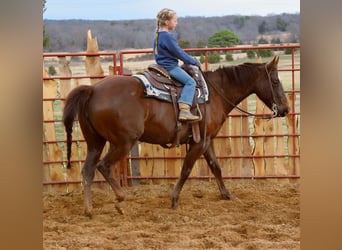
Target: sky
{"x":148,"y":9}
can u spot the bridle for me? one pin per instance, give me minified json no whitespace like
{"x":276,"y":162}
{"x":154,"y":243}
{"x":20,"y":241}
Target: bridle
{"x":274,"y":105}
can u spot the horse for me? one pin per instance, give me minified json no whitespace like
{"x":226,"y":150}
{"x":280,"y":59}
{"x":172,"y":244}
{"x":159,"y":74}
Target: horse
{"x":115,"y":110}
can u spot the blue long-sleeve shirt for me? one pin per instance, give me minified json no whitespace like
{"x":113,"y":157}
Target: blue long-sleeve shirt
{"x":169,"y":52}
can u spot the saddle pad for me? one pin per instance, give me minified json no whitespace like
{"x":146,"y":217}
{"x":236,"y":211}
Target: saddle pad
{"x":151,"y":91}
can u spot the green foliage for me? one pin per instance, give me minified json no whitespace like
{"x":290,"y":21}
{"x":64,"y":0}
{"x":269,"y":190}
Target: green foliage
{"x":229,"y":57}
{"x":183,"y":43}
{"x":281,"y":24}
{"x":262,"y":41}
{"x":275,"y":40}
{"x":250,"y":54}
{"x":294,"y":40}
{"x":262,"y":28}
{"x":200,"y":44}
{"x":52,"y":71}
{"x":288,"y":51}
{"x":46,"y":40}
{"x":201,"y":59}
{"x":264,"y":52}
{"x":213,"y":57}
{"x":223,"y":38}
{"x":239,"y":21}
{"x":68,"y":35}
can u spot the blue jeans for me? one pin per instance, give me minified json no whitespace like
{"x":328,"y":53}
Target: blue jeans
{"x":187,"y":94}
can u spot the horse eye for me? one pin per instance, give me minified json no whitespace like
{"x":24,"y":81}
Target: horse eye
{"x":276,"y":82}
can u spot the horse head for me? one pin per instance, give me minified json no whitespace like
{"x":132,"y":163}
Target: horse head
{"x":271,"y":91}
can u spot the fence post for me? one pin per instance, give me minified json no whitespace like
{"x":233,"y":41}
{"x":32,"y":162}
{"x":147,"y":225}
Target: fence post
{"x":92,"y":63}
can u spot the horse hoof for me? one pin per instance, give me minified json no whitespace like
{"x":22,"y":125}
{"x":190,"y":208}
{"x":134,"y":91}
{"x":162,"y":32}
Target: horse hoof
{"x":120,"y":198}
{"x":174,"y":204}
{"x":119,"y":209}
{"x":174,"y":207}
{"x":228,"y":197}
{"x":88,"y":214}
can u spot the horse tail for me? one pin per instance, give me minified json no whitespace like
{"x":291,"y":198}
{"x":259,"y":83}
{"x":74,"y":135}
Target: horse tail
{"x":75,"y":101}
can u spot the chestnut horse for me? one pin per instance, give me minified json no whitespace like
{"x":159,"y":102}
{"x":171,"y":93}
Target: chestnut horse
{"x":115,"y":110}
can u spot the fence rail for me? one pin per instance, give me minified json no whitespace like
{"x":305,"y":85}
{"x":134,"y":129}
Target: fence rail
{"x":246,"y":147}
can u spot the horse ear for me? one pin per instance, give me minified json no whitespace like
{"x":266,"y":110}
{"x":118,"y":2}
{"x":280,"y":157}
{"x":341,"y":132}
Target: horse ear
{"x":273,"y":63}
{"x":276,"y":59}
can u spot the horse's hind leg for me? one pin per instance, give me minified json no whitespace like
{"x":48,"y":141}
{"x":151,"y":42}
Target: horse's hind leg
{"x":215,"y":168}
{"x":88,"y":172}
{"x":106,"y":165}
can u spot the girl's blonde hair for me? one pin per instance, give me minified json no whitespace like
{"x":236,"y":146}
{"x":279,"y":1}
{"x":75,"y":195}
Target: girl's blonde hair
{"x":162,"y":16}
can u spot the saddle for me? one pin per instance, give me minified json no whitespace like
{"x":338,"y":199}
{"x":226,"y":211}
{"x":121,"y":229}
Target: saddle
{"x":162,"y":82}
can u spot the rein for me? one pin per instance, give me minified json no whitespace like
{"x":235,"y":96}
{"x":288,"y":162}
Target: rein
{"x":274,"y":105}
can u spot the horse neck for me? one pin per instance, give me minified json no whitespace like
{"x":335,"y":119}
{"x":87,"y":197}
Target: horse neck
{"x":229,"y":82}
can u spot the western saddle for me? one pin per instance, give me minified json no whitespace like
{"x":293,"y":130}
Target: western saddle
{"x":160,"y":79}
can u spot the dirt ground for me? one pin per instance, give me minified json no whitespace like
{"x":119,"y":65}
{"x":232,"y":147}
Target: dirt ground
{"x":264,"y":215}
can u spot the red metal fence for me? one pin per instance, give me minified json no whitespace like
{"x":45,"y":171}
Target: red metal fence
{"x":136,"y":165}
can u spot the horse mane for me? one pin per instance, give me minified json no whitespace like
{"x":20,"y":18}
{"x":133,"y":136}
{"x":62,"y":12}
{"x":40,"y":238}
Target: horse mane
{"x":242,"y":73}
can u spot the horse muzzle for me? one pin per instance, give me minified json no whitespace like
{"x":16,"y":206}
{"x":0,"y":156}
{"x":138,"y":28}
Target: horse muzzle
{"x":282,"y":112}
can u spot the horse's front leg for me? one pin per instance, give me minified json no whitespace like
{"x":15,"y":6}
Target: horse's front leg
{"x":195,"y":151}
{"x":215,"y":168}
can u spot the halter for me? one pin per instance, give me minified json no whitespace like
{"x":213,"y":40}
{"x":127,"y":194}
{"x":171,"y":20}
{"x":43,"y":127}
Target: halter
{"x":274,"y":105}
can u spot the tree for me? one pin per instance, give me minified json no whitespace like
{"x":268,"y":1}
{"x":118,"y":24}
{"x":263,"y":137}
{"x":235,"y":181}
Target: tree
{"x":239,"y":21}
{"x":262,"y":41}
{"x":264,"y":52}
{"x":46,"y":40}
{"x":223,"y":38}
{"x":200,"y":44}
{"x":281,"y":24}
{"x":202,"y":59}
{"x":214,"y":57}
{"x":262,"y":28}
{"x":52,"y":71}
{"x":184,"y":43}
{"x":250,"y":54}
{"x":275,"y":40}
{"x":229,"y":57}
{"x":288,"y":51}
